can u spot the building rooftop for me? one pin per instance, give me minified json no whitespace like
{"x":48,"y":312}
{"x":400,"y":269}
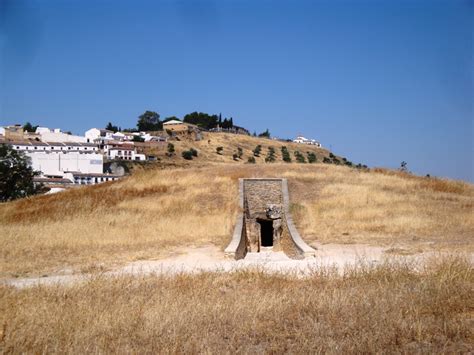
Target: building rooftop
{"x":172,"y":122}
{"x":52,"y":180}
{"x":76,"y":174}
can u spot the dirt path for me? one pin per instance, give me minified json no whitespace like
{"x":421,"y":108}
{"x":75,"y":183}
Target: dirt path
{"x":211,"y":258}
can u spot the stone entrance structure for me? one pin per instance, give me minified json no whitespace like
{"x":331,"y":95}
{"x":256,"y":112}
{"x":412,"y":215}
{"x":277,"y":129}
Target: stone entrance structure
{"x":264,"y":223}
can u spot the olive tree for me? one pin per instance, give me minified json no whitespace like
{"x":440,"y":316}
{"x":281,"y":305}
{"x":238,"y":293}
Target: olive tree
{"x":16,"y":174}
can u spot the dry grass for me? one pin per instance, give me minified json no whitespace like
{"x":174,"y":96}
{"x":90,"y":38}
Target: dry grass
{"x":336,"y":204}
{"x":377,"y":309}
{"x":155,"y":211}
{"x":143,"y":217}
{"x":230,"y":142}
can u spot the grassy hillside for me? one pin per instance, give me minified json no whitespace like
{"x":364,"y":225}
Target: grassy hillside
{"x":406,"y":307}
{"x":230,"y":143}
{"x":153,"y":212}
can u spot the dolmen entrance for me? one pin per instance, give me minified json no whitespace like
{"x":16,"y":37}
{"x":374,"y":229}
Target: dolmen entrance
{"x":264,"y":223}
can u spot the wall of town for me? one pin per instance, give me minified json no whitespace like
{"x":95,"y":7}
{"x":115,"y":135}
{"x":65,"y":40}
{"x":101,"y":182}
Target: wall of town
{"x":61,"y":137}
{"x":52,"y":163}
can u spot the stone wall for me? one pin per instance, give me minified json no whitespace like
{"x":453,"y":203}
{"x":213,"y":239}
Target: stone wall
{"x":266,"y":201}
{"x":258,"y":193}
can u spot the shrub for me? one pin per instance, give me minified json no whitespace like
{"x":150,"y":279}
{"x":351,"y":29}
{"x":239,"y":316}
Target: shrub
{"x":326,"y":160}
{"x":194,"y":152}
{"x":285,"y":154}
{"x":170,"y":149}
{"x":311,"y":157}
{"x":235,"y":156}
{"x":251,"y":160}
{"x":138,"y":139}
{"x":219,"y":150}
{"x":270,"y":158}
{"x":299,"y":157}
{"x":240,"y":152}
{"x":265,"y":134}
{"x":332,"y":156}
{"x":187,"y":154}
{"x":257,"y":150}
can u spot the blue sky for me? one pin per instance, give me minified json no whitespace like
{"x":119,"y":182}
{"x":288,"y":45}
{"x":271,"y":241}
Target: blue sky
{"x":376,"y":81}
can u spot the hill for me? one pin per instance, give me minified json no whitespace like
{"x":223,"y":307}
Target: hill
{"x":160,"y":210}
{"x":230,"y":143}
{"x":153,"y":212}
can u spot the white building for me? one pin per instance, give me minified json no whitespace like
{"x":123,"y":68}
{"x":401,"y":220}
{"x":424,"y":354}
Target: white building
{"x":56,"y":135}
{"x":2,"y":131}
{"x":304,"y":140}
{"x":95,"y":133}
{"x":125,"y":153}
{"x":91,"y":179}
{"x":119,"y":136}
{"x":55,"y":159}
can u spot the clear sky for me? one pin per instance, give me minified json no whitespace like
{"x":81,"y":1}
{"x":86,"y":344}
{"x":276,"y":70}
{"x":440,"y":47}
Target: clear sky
{"x":376,"y":81}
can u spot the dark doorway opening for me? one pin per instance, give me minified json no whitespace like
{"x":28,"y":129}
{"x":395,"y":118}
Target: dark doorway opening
{"x":266,"y":232}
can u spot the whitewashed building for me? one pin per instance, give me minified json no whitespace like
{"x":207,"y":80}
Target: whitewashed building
{"x":96,"y":133}
{"x":125,"y":153}
{"x":55,"y":135}
{"x":304,"y":140}
{"x":91,"y":179}
{"x":55,"y":159}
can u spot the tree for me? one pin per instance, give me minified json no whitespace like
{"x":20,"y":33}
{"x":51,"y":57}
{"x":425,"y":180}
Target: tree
{"x":138,"y":139}
{"x":311,"y":157}
{"x":403,"y":166}
{"x":270,"y":158}
{"x":149,"y":121}
{"x":257,"y":150}
{"x":285,"y":154}
{"x":299,"y":157}
{"x":202,"y":119}
{"x":225,"y":124}
{"x":16,"y":175}
{"x":111,"y":127}
{"x":29,"y":127}
{"x":170,"y":149}
{"x":265,"y":134}
{"x":187,"y":154}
